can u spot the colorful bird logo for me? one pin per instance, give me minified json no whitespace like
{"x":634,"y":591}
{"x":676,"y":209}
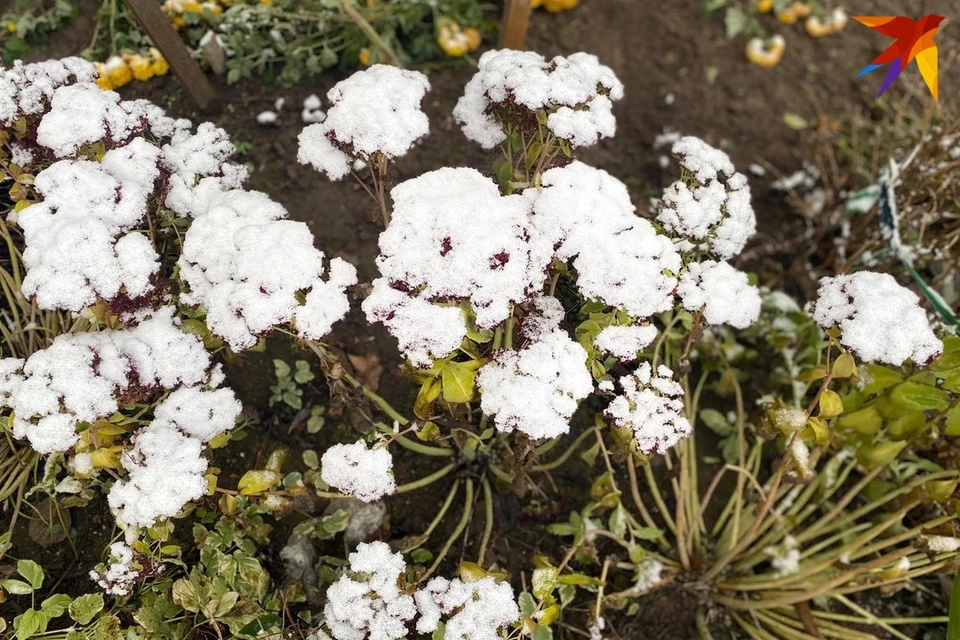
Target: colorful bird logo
{"x":914,"y":39}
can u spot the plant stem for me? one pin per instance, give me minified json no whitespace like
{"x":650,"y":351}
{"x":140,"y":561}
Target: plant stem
{"x":427,"y":480}
{"x":488,"y":522}
{"x":467,"y":510}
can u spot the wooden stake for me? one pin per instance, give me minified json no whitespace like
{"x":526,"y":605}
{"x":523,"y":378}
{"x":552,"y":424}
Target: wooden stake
{"x":513,"y":30}
{"x":164,"y":38}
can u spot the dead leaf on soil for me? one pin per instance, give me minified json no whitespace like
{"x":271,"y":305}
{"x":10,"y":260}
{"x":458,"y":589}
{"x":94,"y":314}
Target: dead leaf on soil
{"x":368,"y":369}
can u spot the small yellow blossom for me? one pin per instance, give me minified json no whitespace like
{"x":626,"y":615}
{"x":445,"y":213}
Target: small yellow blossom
{"x":158,"y":64}
{"x":113,"y":73}
{"x":556,"y":6}
{"x":766,"y":53}
{"x":833,"y":23}
{"x":12,"y":27}
{"x":534,"y":4}
{"x":764,"y":6}
{"x":139,"y":66}
{"x":455,"y":41}
{"x":364,"y":56}
{"x":268,"y":3}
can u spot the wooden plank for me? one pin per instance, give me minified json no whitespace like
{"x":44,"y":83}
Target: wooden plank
{"x":513,"y":30}
{"x":168,"y":41}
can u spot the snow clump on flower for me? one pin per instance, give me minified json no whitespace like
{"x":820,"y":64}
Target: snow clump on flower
{"x":784,"y":557}
{"x":721,"y":292}
{"x":538,"y":388}
{"x":81,"y":242}
{"x":80,"y":375}
{"x":376,"y":110}
{"x":120,"y":575}
{"x":27,"y":89}
{"x":454,"y":237}
{"x":471,"y":610}
{"x":366,"y":474}
{"x":246,"y":266}
{"x":879,"y":320}
{"x":576,"y":92}
{"x":369,"y":604}
{"x":619,"y":258}
{"x":625,"y":342}
{"x":652,"y":406}
{"x":712,"y":206}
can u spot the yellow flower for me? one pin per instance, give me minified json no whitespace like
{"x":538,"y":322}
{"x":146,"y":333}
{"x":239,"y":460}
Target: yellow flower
{"x":364,"y":56}
{"x":451,"y":39}
{"x":116,"y":71}
{"x":834,"y":23}
{"x":11,"y":27}
{"x":158,"y":64}
{"x":764,"y":6}
{"x":535,"y":3}
{"x":177,"y":22}
{"x":556,"y":6}
{"x":268,"y":3}
{"x":473,"y":38}
{"x":766,"y":53}
{"x":802,"y":9}
{"x":103,"y":81}
{"x":139,"y":66}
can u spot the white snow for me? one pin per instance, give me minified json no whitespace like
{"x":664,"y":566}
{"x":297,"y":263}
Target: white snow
{"x":577,"y":91}
{"x":879,"y":320}
{"x":470,"y":610}
{"x":366,"y":474}
{"x":376,"y":110}
{"x":537,"y":389}
{"x":721,"y":292}
{"x":368,"y":603}
{"x":651,"y":405}
{"x":625,"y":343}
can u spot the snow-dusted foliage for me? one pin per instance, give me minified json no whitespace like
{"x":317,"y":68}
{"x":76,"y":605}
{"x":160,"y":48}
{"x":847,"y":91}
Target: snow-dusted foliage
{"x":112,"y":179}
{"x":247,"y":265}
{"x":470,"y":610}
{"x":625,"y":342}
{"x":120,"y":574}
{"x":364,"y":473}
{"x":537,"y":389}
{"x":710,"y":205}
{"x":576,"y":94}
{"x":879,"y":320}
{"x":374,"y":111}
{"x":368,"y":603}
{"x":652,"y":406}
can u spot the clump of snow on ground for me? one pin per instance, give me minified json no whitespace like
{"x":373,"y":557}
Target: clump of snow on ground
{"x":364,"y":473}
{"x":652,"y":406}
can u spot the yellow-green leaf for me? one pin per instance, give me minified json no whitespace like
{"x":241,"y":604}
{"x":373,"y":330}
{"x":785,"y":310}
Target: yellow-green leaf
{"x":831,"y":405}
{"x":919,"y":397}
{"x":866,"y":421}
{"x":844,"y":366}
{"x":907,"y":425}
{"x":257,"y":481}
{"x":880,"y":454}
{"x":877,"y":378}
{"x":952,"y":427}
{"x":459,"y":382}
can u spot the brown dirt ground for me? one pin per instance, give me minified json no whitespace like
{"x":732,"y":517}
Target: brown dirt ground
{"x":658,"y":49}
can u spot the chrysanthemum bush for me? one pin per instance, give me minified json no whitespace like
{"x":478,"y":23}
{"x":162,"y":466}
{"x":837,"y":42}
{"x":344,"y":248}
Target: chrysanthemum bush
{"x":513,"y":296}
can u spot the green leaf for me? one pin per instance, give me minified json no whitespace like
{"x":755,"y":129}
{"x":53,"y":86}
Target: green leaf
{"x":85,"y":607}
{"x":949,"y":359}
{"x":618,"y":521}
{"x":527,"y":604}
{"x":647,"y":533}
{"x":16,"y":587}
{"x":55,"y":605}
{"x":459,"y":382}
{"x":311,"y":459}
{"x":880,"y":454}
{"x":877,"y":378}
{"x":257,"y":481}
{"x":440,"y":631}
{"x":421,"y":555}
{"x":866,"y":421}
{"x":30,"y":623}
{"x":544,"y":581}
{"x":736,"y":22}
{"x":914,"y":396}
{"x":542,"y":633}
{"x":844,"y":366}
{"x":32,"y":572}
{"x":717,"y":422}
{"x":281,"y":369}
{"x":952,"y":426}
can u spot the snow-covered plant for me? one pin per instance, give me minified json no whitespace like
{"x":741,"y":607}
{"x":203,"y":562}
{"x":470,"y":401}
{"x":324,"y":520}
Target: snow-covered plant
{"x":373,"y":118}
{"x":879,"y":320}
{"x":139,"y":225}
